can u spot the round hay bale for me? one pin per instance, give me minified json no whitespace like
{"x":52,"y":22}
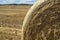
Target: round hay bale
{"x":42,"y":21}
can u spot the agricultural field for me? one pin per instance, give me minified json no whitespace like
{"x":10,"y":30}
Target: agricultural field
{"x":11,"y":20}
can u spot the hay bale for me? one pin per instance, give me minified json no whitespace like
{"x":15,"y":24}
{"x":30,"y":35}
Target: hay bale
{"x":42,"y":21}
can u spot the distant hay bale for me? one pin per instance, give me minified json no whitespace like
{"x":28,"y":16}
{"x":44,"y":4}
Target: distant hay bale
{"x":42,"y":21}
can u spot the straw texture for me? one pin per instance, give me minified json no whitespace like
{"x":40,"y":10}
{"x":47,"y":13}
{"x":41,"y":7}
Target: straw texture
{"x":42,"y":21}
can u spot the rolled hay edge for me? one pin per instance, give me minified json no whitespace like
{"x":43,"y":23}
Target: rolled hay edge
{"x":28,"y":16}
{"x":29,"y":29}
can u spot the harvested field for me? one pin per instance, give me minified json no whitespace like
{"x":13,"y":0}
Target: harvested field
{"x":10,"y":33}
{"x":11,"y":18}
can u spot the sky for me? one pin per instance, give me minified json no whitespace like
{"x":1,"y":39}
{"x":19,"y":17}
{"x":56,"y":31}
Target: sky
{"x":17,"y":1}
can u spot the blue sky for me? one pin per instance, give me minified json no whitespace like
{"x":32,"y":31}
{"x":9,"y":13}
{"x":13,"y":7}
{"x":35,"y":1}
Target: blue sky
{"x":17,"y":1}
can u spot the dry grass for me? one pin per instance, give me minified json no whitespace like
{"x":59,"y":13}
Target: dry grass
{"x":10,"y":33}
{"x":11,"y":18}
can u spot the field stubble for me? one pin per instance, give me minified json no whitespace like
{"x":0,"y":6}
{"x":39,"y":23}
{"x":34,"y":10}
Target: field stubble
{"x":11,"y":18}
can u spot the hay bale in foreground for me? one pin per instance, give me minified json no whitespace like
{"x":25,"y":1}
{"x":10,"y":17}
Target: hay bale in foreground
{"x":42,"y":21}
